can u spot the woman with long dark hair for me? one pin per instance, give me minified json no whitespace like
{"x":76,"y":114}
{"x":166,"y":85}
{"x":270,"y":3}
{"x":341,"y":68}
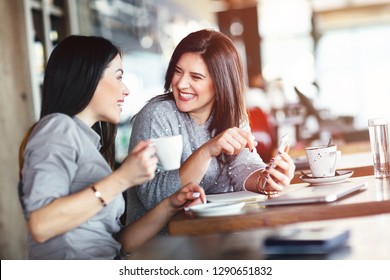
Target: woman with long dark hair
{"x":71,"y":197}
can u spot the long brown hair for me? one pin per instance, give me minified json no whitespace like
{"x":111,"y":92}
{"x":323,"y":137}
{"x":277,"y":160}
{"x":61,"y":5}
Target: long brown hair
{"x":225,"y":67}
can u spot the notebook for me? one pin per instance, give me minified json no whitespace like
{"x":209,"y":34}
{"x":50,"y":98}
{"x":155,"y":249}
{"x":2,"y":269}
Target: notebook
{"x":316,"y":194}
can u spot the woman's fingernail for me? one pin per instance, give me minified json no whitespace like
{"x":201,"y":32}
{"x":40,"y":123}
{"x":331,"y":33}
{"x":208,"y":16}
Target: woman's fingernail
{"x":195,"y":194}
{"x":186,"y":208}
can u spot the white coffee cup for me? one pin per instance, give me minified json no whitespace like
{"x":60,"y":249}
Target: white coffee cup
{"x":169,"y":150}
{"x":323,"y":160}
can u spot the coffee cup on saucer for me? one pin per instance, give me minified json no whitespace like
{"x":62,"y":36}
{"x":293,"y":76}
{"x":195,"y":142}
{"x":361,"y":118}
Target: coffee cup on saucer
{"x":323,"y":160}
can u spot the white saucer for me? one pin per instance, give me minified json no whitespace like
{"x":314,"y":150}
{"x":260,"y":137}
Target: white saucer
{"x":217,"y":209}
{"x":341,"y":176}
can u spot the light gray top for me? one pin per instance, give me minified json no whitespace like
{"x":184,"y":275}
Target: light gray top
{"x":62,"y":157}
{"x":162,"y":118}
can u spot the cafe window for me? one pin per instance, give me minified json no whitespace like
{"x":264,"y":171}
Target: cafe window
{"x":353,"y":67}
{"x":287,"y":46}
{"x":341,"y":45}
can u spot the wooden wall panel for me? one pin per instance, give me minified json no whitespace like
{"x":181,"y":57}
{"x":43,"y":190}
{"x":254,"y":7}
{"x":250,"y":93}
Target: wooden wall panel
{"x":16,"y":115}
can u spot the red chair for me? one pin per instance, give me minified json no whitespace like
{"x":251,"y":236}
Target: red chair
{"x":264,"y":133}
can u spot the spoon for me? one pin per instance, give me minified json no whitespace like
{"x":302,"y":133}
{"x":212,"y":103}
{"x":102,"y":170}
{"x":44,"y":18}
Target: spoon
{"x":309,"y":176}
{"x":304,"y":174}
{"x":330,"y":142}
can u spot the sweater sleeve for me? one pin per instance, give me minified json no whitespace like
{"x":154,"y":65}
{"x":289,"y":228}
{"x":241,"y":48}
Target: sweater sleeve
{"x":156,"y":119}
{"x":243,"y":165}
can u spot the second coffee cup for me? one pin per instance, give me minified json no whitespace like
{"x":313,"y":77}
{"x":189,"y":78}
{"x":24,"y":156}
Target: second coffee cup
{"x":323,"y":160}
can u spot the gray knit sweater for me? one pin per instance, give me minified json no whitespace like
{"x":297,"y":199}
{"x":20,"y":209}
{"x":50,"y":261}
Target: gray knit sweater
{"x":162,"y":118}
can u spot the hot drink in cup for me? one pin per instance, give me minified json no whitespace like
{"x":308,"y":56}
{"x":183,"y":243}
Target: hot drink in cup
{"x":323,"y":160}
{"x":169,"y":150}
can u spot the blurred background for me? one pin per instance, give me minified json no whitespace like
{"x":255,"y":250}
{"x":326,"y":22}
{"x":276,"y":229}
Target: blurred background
{"x":317,"y":69}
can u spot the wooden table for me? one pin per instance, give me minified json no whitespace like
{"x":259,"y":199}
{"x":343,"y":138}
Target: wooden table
{"x":374,"y":200}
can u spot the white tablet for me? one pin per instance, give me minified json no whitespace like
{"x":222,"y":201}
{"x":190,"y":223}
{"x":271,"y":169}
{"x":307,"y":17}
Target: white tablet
{"x":316,"y":194}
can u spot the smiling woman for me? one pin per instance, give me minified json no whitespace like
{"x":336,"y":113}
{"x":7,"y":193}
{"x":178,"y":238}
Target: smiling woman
{"x":109,"y":96}
{"x":204,"y":101}
{"x":71,"y":198}
{"x":193,"y":87}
